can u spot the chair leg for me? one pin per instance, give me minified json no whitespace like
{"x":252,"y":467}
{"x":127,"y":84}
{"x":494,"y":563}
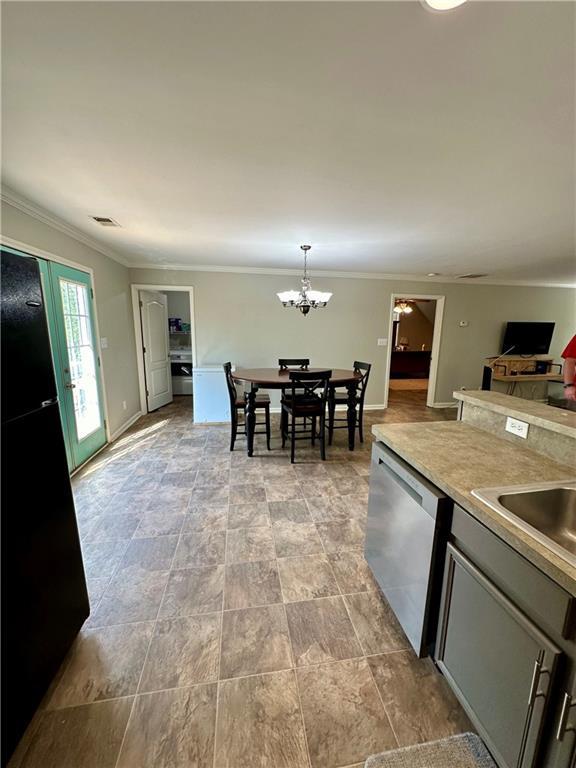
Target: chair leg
{"x":293,"y":440}
{"x":331,"y":416}
{"x":313,"y":430}
{"x":233,"y":430}
{"x":323,"y":437}
{"x":361,"y":423}
{"x":268,"y":427}
{"x":283,"y":426}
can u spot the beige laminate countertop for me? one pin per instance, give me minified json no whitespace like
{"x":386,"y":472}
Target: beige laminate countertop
{"x":546,"y":416}
{"x":457,"y":458}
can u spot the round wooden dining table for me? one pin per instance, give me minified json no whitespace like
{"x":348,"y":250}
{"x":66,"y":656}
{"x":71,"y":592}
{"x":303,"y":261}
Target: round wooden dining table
{"x":274,"y":378}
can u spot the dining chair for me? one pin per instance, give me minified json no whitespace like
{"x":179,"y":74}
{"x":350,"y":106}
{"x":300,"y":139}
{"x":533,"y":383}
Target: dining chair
{"x":238,"y":406}
{"x":287,"y":364}
{"x":306,"y":399}
{"x":341,"y":398}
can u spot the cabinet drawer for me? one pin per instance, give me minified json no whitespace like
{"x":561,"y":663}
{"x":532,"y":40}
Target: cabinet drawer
{"x":499,"y":664}
{"x":532,"y":591}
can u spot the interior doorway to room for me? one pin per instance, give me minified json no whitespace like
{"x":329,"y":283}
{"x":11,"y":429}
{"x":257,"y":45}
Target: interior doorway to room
{"x":166,"y":349}
{"x":415,"y":327}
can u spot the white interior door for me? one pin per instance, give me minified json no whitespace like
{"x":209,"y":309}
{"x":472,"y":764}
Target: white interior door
{"x":154,"y":315}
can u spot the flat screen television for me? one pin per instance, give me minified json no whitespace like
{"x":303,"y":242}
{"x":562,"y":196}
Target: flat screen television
{"x":527,"y":338}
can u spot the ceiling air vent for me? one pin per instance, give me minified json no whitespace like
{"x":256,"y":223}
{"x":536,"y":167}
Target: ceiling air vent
{"x":470,"y":276}
{"x":105,"y":221}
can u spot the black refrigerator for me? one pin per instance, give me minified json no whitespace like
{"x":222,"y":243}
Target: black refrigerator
{"x":44,"y":597}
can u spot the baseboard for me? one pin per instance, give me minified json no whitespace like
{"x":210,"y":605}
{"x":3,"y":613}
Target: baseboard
{"x":451,"y":404}
{"x":127,"y":424}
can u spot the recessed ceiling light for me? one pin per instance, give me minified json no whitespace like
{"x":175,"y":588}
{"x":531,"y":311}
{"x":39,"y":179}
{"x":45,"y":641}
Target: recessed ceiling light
{"x":443,"y":5}
{"x":105,"y":221}
{"x":432,"y":274}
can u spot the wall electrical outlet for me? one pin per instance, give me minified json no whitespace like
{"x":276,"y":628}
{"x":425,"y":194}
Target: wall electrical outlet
{"x":103,"y":342}
{"x":517,"y":427}
{"x":463,"y":323}
{"x":382,"y":342}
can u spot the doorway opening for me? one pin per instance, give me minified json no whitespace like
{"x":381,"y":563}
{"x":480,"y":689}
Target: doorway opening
{"x":412,"y":362}
{"x":165,"y":345}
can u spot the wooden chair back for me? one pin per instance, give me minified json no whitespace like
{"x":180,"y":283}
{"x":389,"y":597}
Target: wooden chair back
{"x":285,"y":363}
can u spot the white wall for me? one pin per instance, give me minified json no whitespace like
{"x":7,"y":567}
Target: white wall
{"x":113,"y":303}
{"x":238,"y":317}
{"x":179,"y":305}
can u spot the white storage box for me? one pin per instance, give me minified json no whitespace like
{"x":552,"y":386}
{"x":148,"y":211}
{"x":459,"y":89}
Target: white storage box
{"x":211,"y":401}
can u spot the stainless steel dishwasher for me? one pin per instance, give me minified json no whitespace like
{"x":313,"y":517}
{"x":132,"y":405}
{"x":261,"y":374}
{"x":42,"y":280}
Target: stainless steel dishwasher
{"x":406,"y":532}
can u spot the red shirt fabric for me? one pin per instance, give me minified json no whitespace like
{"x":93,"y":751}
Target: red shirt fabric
{"x":570,"y":350}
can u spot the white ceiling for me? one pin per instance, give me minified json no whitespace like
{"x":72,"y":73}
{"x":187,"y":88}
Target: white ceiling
{"x":393,"y":139}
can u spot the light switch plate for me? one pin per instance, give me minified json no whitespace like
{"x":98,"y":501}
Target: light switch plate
{"x":382,"y":342}
{"x":517,"y":427}
{"x":103,"y":342}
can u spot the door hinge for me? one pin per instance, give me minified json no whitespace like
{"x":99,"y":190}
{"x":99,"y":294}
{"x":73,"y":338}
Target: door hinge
{"x":147,"y":393}
{"x":91,"y":293}
{"x":140,"y":303}
{"x":105,"y":424}
{"x":144,"y":350}
{"x":99,"y":363}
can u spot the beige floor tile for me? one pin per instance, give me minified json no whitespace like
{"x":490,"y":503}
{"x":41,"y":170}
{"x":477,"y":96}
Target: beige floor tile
{"x":307,"y":577}
{"x":132,"y":595}
{"x":193,"y":590}
{"x":314,"y":487}
{"x":326,"y":508}
{"x":254,"y":640}
{"x":153,"y":554}
{"x":417,"y":699}
{"x":205,"y":517}
{"x":352,"y":572}
{"x":171,"y":729}
{"x":251,"y":584}
{"x":248,"y":515}
{"x":293,"y":539}
{"x":321,"y":631}
{"x":247,"y":494}
{"x":375,"y":623}
{"x":343,"y":715}
{"x":357,"y":486}
{"x":283,"y":491}
{"x":341,"y":535}
{"x":87,"y":736}
{"x":292,"y":511}
{"x":103,"y":663}
{"x":159,"y":524}
{"x":208,"y":478}
{"x":247,"y":544}
{"x":260,"y":723}
{"x":200,"y":549}
{"x":183,"y":652}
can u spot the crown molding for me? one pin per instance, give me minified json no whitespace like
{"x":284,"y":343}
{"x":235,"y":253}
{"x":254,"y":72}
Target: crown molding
{"x":41,"y":214}
{"x":347,"y":275}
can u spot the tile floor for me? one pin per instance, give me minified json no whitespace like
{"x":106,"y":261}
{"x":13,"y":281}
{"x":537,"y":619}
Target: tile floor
{"x":234,"y":621}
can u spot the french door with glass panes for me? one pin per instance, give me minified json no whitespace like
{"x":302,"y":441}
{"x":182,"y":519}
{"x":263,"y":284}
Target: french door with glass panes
{"x":70,"y":309}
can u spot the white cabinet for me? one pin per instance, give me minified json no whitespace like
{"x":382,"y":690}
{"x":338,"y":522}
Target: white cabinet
{"x":211,"y":401}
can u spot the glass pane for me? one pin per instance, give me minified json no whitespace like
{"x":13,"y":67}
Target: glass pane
{"x":82,"y":357}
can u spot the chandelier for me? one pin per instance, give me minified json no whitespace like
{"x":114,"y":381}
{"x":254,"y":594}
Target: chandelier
{"x":305,"y":299}
{"x":402,"y":308}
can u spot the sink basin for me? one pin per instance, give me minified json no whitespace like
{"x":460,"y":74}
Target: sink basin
{"x":545,"y":511}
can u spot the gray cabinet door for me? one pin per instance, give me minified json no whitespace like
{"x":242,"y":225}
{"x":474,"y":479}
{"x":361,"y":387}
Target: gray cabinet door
{"x":498,"y":663}
{"x":562,"y":752}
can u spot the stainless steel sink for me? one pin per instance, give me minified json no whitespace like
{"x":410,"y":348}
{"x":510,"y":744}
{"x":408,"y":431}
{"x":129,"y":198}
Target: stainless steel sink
{"x":546,"y":511}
